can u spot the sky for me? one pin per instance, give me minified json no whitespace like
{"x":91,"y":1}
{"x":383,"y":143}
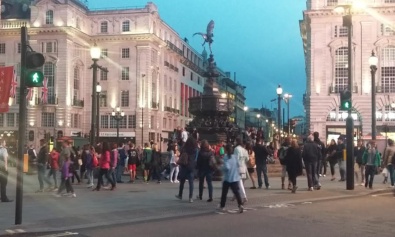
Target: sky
{"x":258,"y":39}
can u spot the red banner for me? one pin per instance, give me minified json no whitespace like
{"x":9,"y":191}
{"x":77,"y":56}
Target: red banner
{"x":6,"y":76}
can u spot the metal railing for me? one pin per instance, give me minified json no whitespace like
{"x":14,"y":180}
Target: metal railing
{"x":78,"y":103}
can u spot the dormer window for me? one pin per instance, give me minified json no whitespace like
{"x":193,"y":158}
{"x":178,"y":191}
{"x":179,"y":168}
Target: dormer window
{"x":49,"y":17}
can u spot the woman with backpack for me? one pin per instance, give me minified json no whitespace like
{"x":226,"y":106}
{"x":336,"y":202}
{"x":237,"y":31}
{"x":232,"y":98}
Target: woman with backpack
{"x":104,"y":167}
{"x":187,"y":162}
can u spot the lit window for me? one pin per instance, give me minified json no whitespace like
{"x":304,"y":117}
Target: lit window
{"x":103,"y":75}
{"x":125,"y":26}
{"x":47,"y":119}
{"x":103,"y":99}
{"x":104,"y":121}
{"x":104,"y":27}
{"x":125,"y":74}
{"x":124,"y":98}
{"x":387,"y":63}
{"x":104,"y":53}
{"x":49,"y":17}
{"x":132,"y":121}
{"x":341,"y":69}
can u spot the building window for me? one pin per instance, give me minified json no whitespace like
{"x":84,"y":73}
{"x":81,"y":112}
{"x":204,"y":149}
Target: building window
{"x":104,"y":121}
{"x":10,"y":120}
{"x":2,"y":48}
{"x":103,"y":99}
{"x":49,"y":72}
{"x":76,"y":83}
{"x":77,"y":23}
{"x":48,"y":47}
{"x":132,"y":121}
{"x":199,"y":81}
{"x":103,"y":75}
{"x":47,"y":119}
{"x":387,"y":30}
{"x":387,"y":63}
{"x":152,"y":125}
{"x":164,"y":123}
{"x":104,"y":27}
{"x":75,"y":120}
{"x":122,"y":122}
{"x":341,"y":31}
{"x":341,"y":69}
{"x":126,"y":26}
{"x":124,"y":98}
{"x":49,"y":17}
{"x":191,"y":76}
{"x":125,"y":74}
{"x":125,"y":52}
{"x":183,"y":71}
{"x":331,"y":2}
{"x":113,"y":122}
{"x":389,"y":1}
{"x":19,"y":48}
{"x":104,"y":53}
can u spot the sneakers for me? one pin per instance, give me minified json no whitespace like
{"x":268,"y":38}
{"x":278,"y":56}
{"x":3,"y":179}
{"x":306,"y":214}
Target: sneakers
{"x":73,"y":195}
{"x":178,"y":197}
{"x":190,"y":200}
{"x":57,"y":195}
{"x":198,"y":198}
{"x":320,"y":175}
{"x":55,"y":190}
{"x":209,"y":200}
{"x":220,"y":209}
{"x":311,"y":189}
{"x":241,"y":209}
{"x":176,"y":181}
{"x":267,"y":187}
{"x":294,"y":189}
{"x":253,"y":187}
{"x":171,"y":181}
{"x":40,"y":191}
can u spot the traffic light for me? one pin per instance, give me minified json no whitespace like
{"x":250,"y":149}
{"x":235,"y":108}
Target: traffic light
{"x":34,"y":77}
{"x":345,"y":100}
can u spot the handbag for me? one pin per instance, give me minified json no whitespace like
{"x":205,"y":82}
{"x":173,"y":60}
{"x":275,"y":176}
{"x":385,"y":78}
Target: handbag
{"x":270,"y":160}
{"x":183,"y":160}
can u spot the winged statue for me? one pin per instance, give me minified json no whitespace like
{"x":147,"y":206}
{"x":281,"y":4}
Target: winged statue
{"x":208,"y":36}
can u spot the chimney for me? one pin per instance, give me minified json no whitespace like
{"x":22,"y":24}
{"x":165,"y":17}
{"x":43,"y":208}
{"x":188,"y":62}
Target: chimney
{"x":234,"y":76}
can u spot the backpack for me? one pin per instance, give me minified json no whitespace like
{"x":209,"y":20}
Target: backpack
{"x":95,"y":161}
{"x":282,"y":153}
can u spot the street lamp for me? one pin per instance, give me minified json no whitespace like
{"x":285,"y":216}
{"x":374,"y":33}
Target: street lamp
{"x":245,"y":116}
{"x":118,"y":116}
{"x":98,"y":91}
{"x":95,"y":55}
{"x":373,"y":60}
{"x":347,"y":22}
{"x":279,"y":91}
{"x":259,"y":121}
{"x":287,"y":98}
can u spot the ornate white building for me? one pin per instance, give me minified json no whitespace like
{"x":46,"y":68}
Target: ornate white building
{"x":151,"y":71}
{"x":325,"y":48}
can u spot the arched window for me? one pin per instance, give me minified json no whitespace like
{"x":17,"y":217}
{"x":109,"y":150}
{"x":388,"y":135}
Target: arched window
{"x":341,"y":69}
{"x":49,"y":73}
{"x":387,"y":63}
{"x":126,"y":26}
{"x":76,"y":84}
{"x":104,"y":27}
{"x":49,"y":17}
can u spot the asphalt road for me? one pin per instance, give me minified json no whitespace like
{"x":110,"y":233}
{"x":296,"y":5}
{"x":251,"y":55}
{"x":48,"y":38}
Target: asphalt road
{"x":361,"y":217}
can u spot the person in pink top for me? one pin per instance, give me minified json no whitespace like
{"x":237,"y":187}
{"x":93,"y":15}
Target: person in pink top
{"x":104,"y":165}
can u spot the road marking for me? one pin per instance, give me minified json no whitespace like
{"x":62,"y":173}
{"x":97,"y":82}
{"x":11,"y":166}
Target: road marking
{"x":61,"y":234}
{"x":15,"y":231}
{"x":279,"y":205}
{"x":304,"y":203}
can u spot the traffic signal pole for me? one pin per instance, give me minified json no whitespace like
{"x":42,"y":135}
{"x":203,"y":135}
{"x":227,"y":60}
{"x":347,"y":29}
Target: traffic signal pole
{"x":22,"y":129}
{"x":347,"y":22}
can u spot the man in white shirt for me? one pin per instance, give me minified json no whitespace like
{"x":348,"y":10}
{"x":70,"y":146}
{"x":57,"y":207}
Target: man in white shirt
{"x":242,"y":156}
{"x":3,"y":171}
{"x":184,"y":136}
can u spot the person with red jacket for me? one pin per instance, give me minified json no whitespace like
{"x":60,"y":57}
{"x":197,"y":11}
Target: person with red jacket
{"x":54,"y":166}
{"x":104,"y":165}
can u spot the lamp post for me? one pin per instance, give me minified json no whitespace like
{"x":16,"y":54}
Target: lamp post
{"x":279,"y":91}
{"x":287,"y":98}
{"x":142,"y":126}
{"x":373,"y":60}
{"x":118,"y":116}
{"x":245,"y":116}
{"x":347,"y":22}
{"x":98,"y":91}
{"x":95,"y":55}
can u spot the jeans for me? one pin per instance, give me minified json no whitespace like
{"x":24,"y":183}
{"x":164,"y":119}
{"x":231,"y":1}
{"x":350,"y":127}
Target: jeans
{"x":65,"y":184}
{"x":262,"y":168}
{"x":156,"y":172}
{"x":323,"y":167}
{"x":41,"y":176}
{"x":75,"y":173}
{"x":89,"y":174}
{"x":292,"y":178}
{"x":52,"y":172}
{"x":390,"y":168}
{"x":332,"y":167}
{"x":370,"y":172}
{"x":174,"y":169}
{"x":3,"y":183}
{"x":108,"y":175}
{"x":235,"y":189}
{"x":318,"y":169}
{"x":209,"y":179}
{"x":187,"y":174}
{"x":311,"y":173}
{"x":342,"y":169}
{"x":119,"y":172}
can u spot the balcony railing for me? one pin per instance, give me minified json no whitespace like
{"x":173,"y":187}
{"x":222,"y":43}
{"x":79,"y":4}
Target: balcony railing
{"x":337,"y":89}
{"x":154,"y":105}
{"x":172,"y":110}
{"x":52,"y":100}
{"x":13,"y":24}
{"x":167,"y":64}
{"x":174,"y":48}
{"x":78,"y":103}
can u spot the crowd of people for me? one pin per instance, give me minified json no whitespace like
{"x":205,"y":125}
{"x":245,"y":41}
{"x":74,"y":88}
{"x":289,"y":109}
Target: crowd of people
{"x":190,"y":158}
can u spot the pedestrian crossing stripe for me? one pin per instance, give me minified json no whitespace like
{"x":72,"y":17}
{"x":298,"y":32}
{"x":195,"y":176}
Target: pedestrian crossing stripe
{"x":15,"y":231}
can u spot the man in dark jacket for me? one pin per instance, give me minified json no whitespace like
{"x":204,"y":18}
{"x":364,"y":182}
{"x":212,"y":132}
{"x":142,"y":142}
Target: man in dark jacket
{"x":340,"y":159}
{"x":261,"y":154}
{"x":311,"y":154}
{"x":42,"y":159}
{"x":321,"y":147}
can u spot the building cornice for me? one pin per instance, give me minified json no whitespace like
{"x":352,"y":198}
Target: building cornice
{"x":331,"y":12}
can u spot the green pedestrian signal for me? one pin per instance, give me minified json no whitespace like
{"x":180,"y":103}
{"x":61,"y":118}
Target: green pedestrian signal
{"x":345,"y":100}
{"x":34,"y":77}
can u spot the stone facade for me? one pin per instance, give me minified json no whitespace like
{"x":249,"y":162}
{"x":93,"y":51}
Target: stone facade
{"x":151,"y":71}
{"x":325,"y":48}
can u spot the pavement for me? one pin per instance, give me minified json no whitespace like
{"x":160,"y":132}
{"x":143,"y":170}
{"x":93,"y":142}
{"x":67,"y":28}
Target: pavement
{"x":140,"y":202}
